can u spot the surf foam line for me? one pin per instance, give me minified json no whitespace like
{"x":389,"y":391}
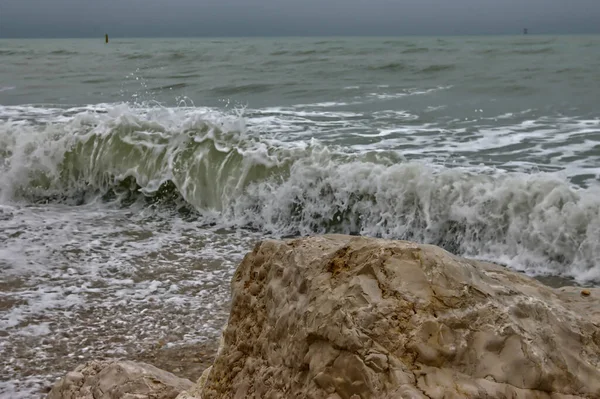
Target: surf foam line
{"x":211,"y":163}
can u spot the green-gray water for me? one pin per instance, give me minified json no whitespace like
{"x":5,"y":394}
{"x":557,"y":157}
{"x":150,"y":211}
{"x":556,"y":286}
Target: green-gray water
{"x":135,"y":175}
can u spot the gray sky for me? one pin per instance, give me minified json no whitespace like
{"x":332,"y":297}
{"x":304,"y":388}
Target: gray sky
{"x":134,"y":18}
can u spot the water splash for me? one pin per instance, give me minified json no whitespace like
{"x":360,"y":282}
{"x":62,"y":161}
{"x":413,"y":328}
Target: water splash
{"x":210,"y":163}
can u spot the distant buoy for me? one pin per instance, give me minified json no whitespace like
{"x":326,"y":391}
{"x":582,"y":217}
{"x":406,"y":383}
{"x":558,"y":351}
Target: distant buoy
{"x":106,"y":38}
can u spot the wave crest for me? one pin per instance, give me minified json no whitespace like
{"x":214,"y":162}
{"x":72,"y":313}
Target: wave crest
{"x":205,"y":162}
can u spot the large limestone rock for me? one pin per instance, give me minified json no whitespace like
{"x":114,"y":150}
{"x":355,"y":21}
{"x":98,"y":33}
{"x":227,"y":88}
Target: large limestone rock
{"x":118,"y":380}
{"x":351,"y":317}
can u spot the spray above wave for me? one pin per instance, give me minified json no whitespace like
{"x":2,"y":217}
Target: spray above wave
{"x":207,"y":160}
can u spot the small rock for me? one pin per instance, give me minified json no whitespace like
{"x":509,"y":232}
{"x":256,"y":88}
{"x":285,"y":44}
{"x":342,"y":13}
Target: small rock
{"x":117,"y":380}
{"x":585,"y":292}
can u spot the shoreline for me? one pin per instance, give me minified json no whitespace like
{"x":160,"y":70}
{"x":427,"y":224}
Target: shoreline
{"x":345,"y":316}
{"x":190,"y":360}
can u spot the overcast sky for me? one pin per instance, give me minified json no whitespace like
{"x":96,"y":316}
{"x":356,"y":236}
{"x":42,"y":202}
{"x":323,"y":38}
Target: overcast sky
{"x":134,"y":18}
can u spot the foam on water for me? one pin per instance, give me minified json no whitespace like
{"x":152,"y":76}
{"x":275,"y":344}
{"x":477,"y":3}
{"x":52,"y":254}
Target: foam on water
{"x":413,"y":181}
{"x":97,"y":281}
{"x":123,"y":224}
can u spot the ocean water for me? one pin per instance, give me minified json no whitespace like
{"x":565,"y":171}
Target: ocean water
{"x":134,"y":176}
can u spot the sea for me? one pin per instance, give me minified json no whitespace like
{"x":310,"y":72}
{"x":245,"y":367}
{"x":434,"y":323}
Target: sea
{"x":135,"y":175}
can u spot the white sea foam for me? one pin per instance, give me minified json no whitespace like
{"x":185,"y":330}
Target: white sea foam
{"x":138,"y":262}
{"x":158,"y":136}
{"x":106,"y":273}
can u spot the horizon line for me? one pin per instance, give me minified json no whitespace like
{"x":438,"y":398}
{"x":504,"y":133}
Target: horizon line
{"x":299,"y":36}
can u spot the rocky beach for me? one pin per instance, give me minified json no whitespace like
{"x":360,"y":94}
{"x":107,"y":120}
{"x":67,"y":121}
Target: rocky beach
{"x":136,"y":175}
{"x":343,"y":317}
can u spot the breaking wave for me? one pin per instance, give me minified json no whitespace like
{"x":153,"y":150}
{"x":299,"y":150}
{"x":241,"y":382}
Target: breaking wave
{"x":209,"y":164}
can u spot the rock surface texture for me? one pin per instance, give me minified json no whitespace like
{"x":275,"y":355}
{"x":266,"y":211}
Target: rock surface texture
{"x":350,"y":317}
{"x":118,"y":380}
